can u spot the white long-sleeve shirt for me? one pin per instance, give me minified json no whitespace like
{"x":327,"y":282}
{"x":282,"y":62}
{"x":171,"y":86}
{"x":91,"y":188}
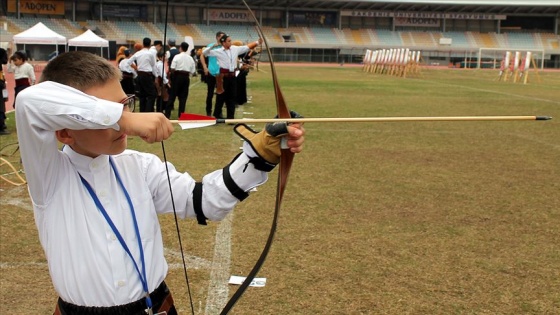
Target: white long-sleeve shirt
{"x":227,"y":58}
{"x":87,"y":264}
{"x":124,"y":66}
{"x":159,"y":70}
{"x":145,"y":61}
{"x":183,"y":62}
{"x":25,"y":70}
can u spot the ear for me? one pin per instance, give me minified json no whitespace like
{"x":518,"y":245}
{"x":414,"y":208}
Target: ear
{"x":65,"y":137}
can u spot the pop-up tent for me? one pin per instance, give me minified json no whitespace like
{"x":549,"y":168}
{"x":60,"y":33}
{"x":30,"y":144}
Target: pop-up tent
{"x":89,"y":39}
{"x":39,"y":34}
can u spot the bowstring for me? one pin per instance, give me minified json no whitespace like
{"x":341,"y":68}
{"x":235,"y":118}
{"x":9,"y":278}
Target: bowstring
{"x":167,"y":171}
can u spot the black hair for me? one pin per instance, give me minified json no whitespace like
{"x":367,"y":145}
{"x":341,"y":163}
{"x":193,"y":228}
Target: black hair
{"x":224,"y":38}
{"x":158,"y":42}
{"x":146,"y":42}
{"x":184,"y":46}
{"x":19,"y":55}
{"x":220,"y":33}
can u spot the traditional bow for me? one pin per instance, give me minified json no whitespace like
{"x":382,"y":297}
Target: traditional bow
{"x":283,"y":172}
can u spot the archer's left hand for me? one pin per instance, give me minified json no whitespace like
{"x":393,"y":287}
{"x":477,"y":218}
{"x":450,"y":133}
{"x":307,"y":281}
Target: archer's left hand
{"x":267,"y":143}
{"x":296,"y":137}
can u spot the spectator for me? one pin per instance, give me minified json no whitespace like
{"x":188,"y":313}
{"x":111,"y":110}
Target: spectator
{"x":211,"y":69}
{"x":24,"y":73}
{"x":181,"y":70}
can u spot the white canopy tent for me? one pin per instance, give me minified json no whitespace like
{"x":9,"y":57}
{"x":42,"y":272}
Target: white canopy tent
{"x":89,"y":39}
{"x":39,"y":34}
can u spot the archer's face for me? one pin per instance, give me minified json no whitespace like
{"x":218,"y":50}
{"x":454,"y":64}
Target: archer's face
{"x":227,"y":43}
{"x":94,"y":142}
{"x":18,"y":62}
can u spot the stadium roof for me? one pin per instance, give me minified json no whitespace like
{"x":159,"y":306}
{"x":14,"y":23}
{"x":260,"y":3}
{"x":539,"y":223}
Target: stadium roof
{"x":516,"y":7}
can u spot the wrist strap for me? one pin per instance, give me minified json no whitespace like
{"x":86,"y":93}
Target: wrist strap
{"x":232,"y":186}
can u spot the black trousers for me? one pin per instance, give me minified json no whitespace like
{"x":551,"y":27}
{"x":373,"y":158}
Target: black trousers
{"x":228,"y":98}
{"x":127,"y":84}
{"x":179,"y":88}
{"x":17,"y":89}
{"x":147,"y":92}
{"x":211,"y":85}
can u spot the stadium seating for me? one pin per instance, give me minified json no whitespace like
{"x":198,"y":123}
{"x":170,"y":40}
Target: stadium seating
{"x":126,"y":32}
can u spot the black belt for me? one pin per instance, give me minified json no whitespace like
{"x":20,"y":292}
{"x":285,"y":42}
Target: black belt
{"x":158,"y":297}
{"x":127,"y":74}
{"x":145,"y":73}
{"x":181,"y":72}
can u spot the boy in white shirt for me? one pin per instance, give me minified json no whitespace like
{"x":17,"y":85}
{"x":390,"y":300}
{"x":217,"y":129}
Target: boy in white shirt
{"x":24,"y":73}
{"x":96,"y":203}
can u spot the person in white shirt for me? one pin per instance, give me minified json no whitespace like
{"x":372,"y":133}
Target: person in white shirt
{"x":24,"y":73}
{"x":128,"y":74}
{"x":162,"y":84}
{"x":144,"y":62}
{"x":211,"y":69}
{"x":158,"y":45}
{"x":227,"y":57}
{"x":96,"y":203}
{"x":181,"y":69}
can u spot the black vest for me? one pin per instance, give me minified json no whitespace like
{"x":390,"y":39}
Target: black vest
{"x":172,"y":53}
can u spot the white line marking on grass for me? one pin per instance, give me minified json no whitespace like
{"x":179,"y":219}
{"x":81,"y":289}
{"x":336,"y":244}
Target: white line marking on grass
{"x":15,"y":265}
{"x":195,"y":84}
{"x":193,"y":262}
{"x":218,"y":290}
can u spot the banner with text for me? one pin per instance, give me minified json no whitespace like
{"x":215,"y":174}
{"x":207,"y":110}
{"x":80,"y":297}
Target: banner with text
{"x":53,"y":7}
{"x":423,"y":15}
{"x":228,"y":15}
{"x":423,"y":22}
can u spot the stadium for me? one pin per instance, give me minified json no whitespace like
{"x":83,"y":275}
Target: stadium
{"x":310,"y":31}
{"x":400,"y":217}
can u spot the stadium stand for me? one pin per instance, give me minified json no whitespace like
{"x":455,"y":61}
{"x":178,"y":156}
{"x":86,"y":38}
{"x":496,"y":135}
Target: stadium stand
{"x":333,"y":33}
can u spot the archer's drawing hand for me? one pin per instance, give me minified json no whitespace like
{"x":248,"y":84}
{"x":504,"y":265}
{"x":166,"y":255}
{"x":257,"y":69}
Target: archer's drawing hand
{"x":151,"y":127}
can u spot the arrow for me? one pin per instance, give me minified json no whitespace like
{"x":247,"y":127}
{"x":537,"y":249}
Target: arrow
{"x":189,"y":121}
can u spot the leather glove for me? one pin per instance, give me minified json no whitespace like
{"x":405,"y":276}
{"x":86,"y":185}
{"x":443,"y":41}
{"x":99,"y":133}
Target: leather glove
{"x":267,"y":142}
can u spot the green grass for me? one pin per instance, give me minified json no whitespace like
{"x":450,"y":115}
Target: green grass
{"x":378,"y":218}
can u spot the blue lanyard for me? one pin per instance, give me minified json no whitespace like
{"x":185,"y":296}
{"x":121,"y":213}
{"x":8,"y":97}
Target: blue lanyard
{"x":142,"y":274}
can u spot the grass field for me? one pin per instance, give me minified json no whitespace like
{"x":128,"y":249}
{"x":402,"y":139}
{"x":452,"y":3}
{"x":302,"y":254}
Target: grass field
{"x":378,"y":218}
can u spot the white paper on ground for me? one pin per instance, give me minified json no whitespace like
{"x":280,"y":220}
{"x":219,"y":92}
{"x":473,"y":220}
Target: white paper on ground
{"x":257,"y":282}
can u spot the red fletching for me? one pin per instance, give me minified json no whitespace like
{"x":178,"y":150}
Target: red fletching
{"x":186,"y":116}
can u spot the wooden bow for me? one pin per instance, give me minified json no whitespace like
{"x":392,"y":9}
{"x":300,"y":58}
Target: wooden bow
{"x":283,"y":171}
